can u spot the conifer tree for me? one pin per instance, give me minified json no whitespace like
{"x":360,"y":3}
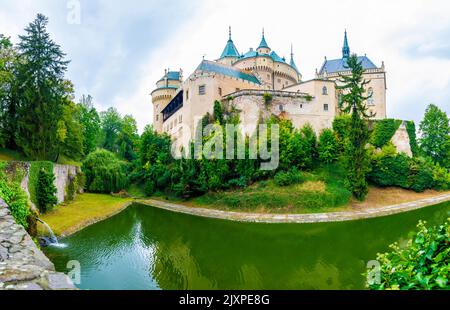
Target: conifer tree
{"x":353,"y":102}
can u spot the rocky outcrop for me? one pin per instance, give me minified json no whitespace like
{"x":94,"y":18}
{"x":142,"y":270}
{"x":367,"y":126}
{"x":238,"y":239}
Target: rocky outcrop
{"x":22,"y":265}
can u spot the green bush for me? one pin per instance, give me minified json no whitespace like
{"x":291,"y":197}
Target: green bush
{"x":328,"y":147}
{"x":341,"y":127}
{"x":421,"y":175}
{"x":289,"y":178}
{"x":390,"y":170}
{"x":422,"y":265}
{"x":46,"y":191}
{"x":411,"y":129}
{"x":383,"y":131}
{"x":105,"y":173}
{"x":33,"y":176}
{"x":14,"y":196}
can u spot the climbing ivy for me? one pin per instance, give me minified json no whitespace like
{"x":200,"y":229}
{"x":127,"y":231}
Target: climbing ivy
{"x":383,"y":131}
{"x":411,"y":129}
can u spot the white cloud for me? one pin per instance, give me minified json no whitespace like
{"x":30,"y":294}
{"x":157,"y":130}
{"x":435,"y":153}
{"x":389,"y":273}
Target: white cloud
{"x":410,"y":36}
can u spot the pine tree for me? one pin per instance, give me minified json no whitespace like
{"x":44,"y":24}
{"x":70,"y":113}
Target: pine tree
{"x":353,"y":102}
{"x":40,"y":91}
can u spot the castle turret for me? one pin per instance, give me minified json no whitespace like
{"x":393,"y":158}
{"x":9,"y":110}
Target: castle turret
{"x":263,"y":48}
{"x":166,"y":89}
{"x":230,"y":53}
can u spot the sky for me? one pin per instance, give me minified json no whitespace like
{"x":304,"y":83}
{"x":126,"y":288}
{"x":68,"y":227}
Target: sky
{"x":119,"y":49}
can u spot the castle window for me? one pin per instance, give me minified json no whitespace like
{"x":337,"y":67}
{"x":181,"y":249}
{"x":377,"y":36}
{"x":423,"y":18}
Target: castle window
{"x":281,"y":108}
{"x":202,"y":90}
{"x":220,"y":91}
{"x":301,"y":106}
{"x":371,"y":100}
{"x":181,"y":119}
{"x":187,"y":95}
{"x":326,"y":107}
{"x":325,"y":91}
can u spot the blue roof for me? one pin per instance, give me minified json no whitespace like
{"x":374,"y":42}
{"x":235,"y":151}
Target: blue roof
{"x":172,"y":75}
{"x":227,"y":70}
{"x":340,"y":65}
{"x":263,"y":43}
{"x":293,"y":65}
{"x":230,"y":50}
{"x":251,"y":53}
{"x":275,"y":57}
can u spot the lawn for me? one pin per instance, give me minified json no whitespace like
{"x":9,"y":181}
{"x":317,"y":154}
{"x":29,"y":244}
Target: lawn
{"x":83,"y":211}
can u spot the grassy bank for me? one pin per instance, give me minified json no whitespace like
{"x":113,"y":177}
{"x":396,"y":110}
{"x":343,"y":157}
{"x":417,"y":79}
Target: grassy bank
{"x":8,"y":155}
{"x":83,"y":211}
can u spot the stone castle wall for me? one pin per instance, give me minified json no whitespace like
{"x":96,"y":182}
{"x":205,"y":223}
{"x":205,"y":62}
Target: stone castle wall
{"x":22,"y":265}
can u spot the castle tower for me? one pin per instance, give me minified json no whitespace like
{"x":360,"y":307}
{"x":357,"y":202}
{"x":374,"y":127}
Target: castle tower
{"x":292,"y":62}
{"x":166,"y":89}
{"x":230,"y":53}
{"x":263,"y":46}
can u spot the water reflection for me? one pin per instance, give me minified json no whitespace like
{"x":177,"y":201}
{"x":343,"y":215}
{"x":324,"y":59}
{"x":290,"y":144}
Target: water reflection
{"x":147,"y":248}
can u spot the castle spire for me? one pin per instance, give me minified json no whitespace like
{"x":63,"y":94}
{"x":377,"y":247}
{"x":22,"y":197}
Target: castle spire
{"x":263,"y":46}
{"x":230,"y":49}
{"x":346,"y":48}
{"x":292,"y":62}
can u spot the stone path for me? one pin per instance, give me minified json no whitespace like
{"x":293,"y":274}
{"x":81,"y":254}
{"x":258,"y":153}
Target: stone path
{"x":299,"y":218}
{"x":22,"y":265}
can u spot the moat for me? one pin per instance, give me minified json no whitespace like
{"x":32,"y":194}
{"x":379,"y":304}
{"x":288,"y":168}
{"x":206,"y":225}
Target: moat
{"x":148,"y":248}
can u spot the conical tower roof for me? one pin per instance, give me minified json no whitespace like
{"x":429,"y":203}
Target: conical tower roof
{"x":230,"y":49}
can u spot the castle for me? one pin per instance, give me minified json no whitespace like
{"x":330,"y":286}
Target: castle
{"x":244,"y":80}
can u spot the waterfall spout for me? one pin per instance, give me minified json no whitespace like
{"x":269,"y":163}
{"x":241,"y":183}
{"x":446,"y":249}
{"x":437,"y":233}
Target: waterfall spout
{"x":51,"y":238}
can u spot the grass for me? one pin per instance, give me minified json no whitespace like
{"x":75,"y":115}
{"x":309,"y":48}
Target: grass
{"x":322,"y":191}
{"x":9,"y":155}
{"x":83,"y":211}
{"x":63,"y":160}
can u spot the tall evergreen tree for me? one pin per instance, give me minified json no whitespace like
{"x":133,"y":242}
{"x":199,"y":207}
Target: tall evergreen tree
{"x":40,"y":91}
{"x":91,"y":125}
{"x":353,"y":102}
{"x":8,"y":115}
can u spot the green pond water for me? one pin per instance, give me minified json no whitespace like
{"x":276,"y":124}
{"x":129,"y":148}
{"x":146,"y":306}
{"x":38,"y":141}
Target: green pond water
{"x":147,"y":248}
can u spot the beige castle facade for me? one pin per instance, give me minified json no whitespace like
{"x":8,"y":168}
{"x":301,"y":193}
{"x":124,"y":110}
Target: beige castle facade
{"x":244,"y":79}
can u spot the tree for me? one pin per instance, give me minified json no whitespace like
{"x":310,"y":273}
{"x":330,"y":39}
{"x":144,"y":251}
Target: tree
{"x":91,"y":124}
{"x":46,"y":191}
{"x":111,"y":126}
{"x":40,"y":90}
{"x":128,"y":138}
{"x":8,"y":115}
{"x":328,"y":146}
{"x":435,"y":131}
{"x":353,"y":102}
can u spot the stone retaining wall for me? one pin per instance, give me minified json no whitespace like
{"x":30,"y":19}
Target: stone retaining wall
{"x":22,"y":265}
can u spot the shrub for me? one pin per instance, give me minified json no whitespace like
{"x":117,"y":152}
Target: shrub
{"x":105,"y":173}
{"x":383,"y":131}
{"x":288,"y":178}
{"x":411,"y":129}
{"x":390,"y":170}
{"x":46,"y":191}
{"x":422,"y":265}
{"x":15,"y":197}
{"x":421,"y":175}
{"x":35,"y":168}
{"x":328,"y":148}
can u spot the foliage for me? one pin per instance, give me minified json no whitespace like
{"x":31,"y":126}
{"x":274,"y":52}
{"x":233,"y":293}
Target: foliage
{"x":288,"y":178}
{"x":33,"y":177}
{"x":119,"y":134}
{"x":422,"y":265}
{"x":267,"y":99}
{"x":218,"y":112}
{"x":14,"y":196}
{"x":435,"y":135}
{"x":91,"y":125}
{"x":418,"y":174}
{"x":411,"y":129}
{"x":341,"y":127}
{"x":328,"y":146}
{"x":383,"y":131}
{"x":353,"y":102}
{"x":46,"y":191}
{"x":40,"y":92}
{"x":105,"y":173}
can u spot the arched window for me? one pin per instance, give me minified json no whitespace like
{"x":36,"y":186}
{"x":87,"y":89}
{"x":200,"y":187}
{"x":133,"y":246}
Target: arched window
{"x":370,"y":94}
{"x":325,"y":91}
